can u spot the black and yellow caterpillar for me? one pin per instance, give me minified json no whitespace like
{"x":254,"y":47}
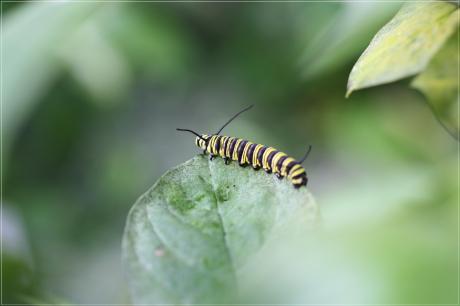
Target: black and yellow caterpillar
{"x":256,"y":155}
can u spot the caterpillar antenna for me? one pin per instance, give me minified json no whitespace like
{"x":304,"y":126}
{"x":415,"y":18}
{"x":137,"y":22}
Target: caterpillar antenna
{"x":231,"y":119}
{"x":306,"y":154}
{"x":193,"y":132}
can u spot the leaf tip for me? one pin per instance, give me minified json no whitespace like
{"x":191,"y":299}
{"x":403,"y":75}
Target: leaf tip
{"x":348,"y":93}
{"x":350,"y":89}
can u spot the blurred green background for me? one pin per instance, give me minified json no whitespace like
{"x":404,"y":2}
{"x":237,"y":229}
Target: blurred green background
{"x":93,"y":92}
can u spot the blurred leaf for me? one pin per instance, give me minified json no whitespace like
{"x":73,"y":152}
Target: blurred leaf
{"x":96,"y":42}
{"x":408,"y":258}
{"x":19,"y":279}
{"x":151,"y":39}
{"x":188,"y":236}
{"x":94,"y":62}
{"x":344,"y":36}
{"x":30,"y":34}
{"x":439,"y":83}
{"x":397,"y":246}
{"x":37,"y":301}
{"x":18,"y":271}
{"x":405,"y":45}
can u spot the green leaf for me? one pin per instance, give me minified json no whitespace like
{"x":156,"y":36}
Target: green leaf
{"x":439,"y":83}
{"x":405,"y":45}
{"x":105,"y":78}
{"x":187,"y":238}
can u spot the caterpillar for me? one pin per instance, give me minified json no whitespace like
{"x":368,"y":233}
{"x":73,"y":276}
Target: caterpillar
{"x":247,"y":153}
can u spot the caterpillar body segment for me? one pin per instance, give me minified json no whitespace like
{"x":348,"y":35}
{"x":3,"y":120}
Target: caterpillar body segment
{"x":258,"y":156}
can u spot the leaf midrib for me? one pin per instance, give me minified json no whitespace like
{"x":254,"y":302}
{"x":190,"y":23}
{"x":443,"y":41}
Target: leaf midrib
{"x":222,"y":225}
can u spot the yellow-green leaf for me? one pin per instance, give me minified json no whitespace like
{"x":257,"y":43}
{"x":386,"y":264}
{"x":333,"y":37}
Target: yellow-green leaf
{"x":439,"y":83}
{"x":405,"y":45}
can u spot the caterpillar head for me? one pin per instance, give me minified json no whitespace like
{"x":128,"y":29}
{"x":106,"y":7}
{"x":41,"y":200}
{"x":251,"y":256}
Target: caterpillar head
{"x":202,"y":141}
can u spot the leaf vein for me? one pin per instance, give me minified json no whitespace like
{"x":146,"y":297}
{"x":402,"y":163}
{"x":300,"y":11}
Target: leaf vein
{"x":221,"y":221}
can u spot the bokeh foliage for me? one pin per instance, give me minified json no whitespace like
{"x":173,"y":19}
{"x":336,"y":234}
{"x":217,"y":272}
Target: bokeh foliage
{"x":417,"y":41}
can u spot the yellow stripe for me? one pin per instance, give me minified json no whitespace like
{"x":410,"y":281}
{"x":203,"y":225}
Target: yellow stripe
{"x":244,"y":158}
{"x":297,"y":172}
{"x":293,"y":169}
{"x":275,"y":160}
{"x":235,"y":150}
{"x":255,"y":162}
{"x":265,"y":157}
{"x":220,"y":145}
{"x":286,"y":162}
{"x":227,"y":152}
{"x":208,"y":148}
{"x":213,"y":144}
{"x":221,"y":149}
{"x":296,"y":181}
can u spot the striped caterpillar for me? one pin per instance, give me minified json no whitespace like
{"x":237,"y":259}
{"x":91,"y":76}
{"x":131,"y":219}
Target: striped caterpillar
{"x":248,"y":153}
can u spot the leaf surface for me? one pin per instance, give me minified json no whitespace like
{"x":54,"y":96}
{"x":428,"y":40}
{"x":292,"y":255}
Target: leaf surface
{"x":439,"y":83}
{"x":187,"y":238}
{"x":405,"y":45}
